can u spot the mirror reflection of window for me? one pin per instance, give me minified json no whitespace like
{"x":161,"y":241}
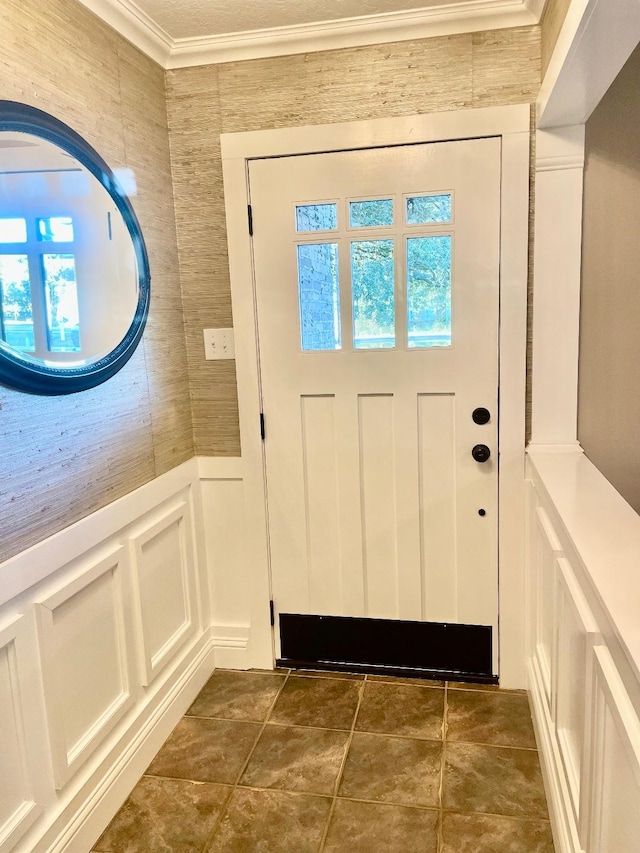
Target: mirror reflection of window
{"x":68,"y":273}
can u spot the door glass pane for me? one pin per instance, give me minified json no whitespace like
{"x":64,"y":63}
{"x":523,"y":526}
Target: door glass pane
{"x":372,"y":290}
{"x":316,"y":217}
{"x":429,"y":291}
{"x":61,"y":293}
{"x":426,"y":209}
{"x":319,"y":296}
{"x":367,"y":214}
{"x":55,"y":229}
{"x":17,"y":311}
{"x":13,"y":230}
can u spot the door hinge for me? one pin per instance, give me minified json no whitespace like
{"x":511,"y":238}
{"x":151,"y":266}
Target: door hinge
{"x":250,"y":218}
{"x":272,"y":613}
{"x":262,"y":425}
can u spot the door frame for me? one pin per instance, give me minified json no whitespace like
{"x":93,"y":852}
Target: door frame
{"x":512,"y":124}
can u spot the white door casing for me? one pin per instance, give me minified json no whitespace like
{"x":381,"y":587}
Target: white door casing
{"x":373,"y":495}
{"x":238,"y":149}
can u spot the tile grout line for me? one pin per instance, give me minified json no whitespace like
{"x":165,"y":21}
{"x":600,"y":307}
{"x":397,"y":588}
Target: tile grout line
{"x":223,"y":811}
{"x":443,"y":758}
{"x":350,"y":733}
{"x":234,"y":787}
{"x":260,"y":733}
{"x":363,"y":731}
{"x":336,"y":786}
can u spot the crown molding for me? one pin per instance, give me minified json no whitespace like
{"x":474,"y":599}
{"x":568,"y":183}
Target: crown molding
{"x":464,"y":16}
{"x":126,"y":18}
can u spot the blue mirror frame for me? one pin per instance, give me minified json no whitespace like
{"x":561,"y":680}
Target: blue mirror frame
{"x":24,"y":374}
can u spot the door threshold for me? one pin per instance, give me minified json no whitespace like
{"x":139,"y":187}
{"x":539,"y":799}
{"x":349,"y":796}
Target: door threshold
{"x":390,"y":672}
{"x":410,"y":649}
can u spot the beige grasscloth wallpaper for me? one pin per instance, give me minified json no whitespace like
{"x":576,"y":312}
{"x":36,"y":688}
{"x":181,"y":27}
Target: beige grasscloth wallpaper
{"x":455,"y":72}
{"x":64,"y":457}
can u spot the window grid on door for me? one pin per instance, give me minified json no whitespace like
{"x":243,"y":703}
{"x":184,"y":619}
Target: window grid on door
{"x":400,"y":271}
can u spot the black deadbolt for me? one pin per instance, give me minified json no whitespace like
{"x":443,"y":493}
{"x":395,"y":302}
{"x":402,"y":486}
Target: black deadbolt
{"x":481,"y":453}
{"x":481,"y":415}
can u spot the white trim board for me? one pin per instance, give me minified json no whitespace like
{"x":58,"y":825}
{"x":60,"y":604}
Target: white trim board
{"x":29,"y":567}
{"x":510,"y":123}
{"x":464,"y":16}
{"x":595,"y":41}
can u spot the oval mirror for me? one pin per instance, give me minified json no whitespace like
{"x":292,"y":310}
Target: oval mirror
{"x":74,"y":271}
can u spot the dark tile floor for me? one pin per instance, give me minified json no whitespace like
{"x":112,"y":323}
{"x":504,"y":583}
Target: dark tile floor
{"x":283,"y":762}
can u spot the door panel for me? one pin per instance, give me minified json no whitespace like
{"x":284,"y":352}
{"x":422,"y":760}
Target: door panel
{"x":362,"y":259}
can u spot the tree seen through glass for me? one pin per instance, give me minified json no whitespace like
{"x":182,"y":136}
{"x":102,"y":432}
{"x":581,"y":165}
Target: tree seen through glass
{"x":373,"y":294}
{"x":373,"y":278}
{"x":429,"y":291}
{"x":17,"y":310}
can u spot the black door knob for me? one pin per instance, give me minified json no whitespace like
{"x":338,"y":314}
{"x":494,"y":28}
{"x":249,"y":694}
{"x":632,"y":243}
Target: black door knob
{"x":481,"y":415}
{"x":481,"y":453}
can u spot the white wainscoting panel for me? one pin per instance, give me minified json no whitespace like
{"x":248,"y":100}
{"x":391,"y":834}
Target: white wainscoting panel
{"x":583,"y":540}
{"x":86,"y":656}
{"x":164,"y":587}
{"x":108,"y":630}
{"x":19,"y":806}
{"x":544,"y":567}
{"x":614,"y":799}
{"x":577,"y":632}
{"x":227,"y":549}
{"x":77,"y":724}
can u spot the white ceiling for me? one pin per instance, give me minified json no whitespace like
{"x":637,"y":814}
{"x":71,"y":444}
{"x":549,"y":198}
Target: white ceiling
{"x":194,"y":32}
{"x":189,"y":18}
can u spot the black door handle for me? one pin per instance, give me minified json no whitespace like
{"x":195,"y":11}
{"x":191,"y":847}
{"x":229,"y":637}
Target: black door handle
{"x":481,"y":453}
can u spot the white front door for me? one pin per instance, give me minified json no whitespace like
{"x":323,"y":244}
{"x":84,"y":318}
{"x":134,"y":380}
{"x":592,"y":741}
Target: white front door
{"x":377,"y":288}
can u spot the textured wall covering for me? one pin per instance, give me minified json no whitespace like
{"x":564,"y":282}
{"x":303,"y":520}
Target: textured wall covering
{"x":65,"y":457}
{"x":552,"y":20}
{"x":456,"y":72}
{"x":194,"y":120}
{"x":609,"y":376}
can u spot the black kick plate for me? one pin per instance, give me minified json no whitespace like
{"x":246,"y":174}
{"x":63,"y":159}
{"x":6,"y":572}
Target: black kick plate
{"x":393,"y":647}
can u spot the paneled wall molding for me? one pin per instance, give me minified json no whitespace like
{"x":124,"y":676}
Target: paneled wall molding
{"x":593,"y":515}
{"x":442,"y":19}
{"x":163,"y":541}
{"x":78,"y":728}
{"x":34,"y":565}
{"x":131,"y":610}
{"x":583,"y":651}
{"x":94,"y":796}
{"x":24,"y":779}
{"x":556,"y":295}
{"x":565,"y":831}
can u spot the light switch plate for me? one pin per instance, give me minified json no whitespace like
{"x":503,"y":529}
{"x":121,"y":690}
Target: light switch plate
{"x":218,"y":343}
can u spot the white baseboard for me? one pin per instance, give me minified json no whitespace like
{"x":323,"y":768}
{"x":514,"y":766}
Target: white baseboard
{"x":565,"y":835}
{"x":81,"y":823}
{"x":230,"y":643}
